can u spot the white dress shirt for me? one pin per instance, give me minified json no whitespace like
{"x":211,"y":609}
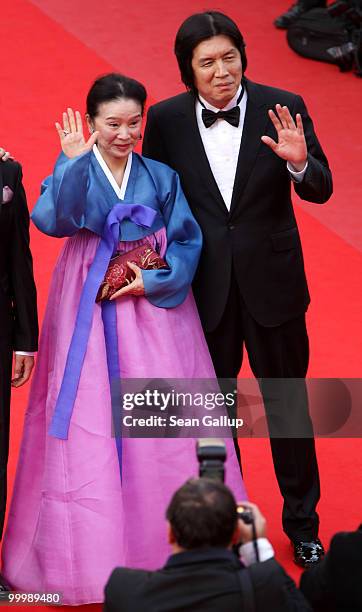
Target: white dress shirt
{"x":222,"y":144}
{"x":247,"y":551}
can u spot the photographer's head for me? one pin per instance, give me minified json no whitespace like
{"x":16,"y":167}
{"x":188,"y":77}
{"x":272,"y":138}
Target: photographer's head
{"x":202,"y":514}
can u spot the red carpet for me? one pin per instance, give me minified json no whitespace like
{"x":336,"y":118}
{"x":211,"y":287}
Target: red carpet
{"x":55,"y":49}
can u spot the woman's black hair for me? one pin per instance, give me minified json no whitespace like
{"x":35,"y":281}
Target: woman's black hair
{"x":200,"y":27}
{"x":114,"y":86}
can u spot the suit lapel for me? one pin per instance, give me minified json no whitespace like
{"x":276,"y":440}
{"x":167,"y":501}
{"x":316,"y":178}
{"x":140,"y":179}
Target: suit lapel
{"x":192,"y":143}
{"x":256,"y":118}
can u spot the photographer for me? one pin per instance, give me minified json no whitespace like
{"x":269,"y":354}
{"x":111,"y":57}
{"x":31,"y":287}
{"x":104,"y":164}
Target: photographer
{"x":296,"y":10}
{"x":335,"y":584}
{"x":328,"y":33}
{"x":204,"y":573}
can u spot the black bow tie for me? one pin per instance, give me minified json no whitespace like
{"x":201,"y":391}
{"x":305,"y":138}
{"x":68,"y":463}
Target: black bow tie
{"x":232,"y":116}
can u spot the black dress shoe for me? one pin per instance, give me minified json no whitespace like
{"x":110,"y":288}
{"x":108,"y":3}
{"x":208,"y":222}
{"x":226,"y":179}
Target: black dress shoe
{"x":308,"y":554}
{"x":292,"y":14}
{"x":5,"y":588}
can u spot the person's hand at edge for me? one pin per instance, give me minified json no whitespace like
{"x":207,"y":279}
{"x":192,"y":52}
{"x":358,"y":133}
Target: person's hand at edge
{"x":4,"y":155}
{"x":23,"y":367}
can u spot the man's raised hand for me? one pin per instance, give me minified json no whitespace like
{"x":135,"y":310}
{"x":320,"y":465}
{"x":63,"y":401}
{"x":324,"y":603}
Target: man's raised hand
{"x":291,"y":144}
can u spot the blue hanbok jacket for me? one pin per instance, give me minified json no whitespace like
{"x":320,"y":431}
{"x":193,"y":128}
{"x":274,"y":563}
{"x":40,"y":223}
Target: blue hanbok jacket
{"x":78,"y":195}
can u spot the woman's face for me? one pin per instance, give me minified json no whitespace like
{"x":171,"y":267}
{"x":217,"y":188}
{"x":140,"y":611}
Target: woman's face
{"x":119,"y":125}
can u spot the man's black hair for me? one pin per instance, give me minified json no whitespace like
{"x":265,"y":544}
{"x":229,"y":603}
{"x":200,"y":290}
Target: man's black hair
{"x":200,"y":27}
{"x":202,"y":514}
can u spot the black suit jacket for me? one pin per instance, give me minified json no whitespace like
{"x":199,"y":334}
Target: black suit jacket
{"x":202,"y":581}
{"x":335,"y":584}
{"x":18,"y":311}
{"x":259,"y":236}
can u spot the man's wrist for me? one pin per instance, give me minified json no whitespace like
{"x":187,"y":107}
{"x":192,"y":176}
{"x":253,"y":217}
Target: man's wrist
{"x":26,"y":353}
{"x":298,"y":166}
{"x":247,"y":551}
{"x":297,"y":175}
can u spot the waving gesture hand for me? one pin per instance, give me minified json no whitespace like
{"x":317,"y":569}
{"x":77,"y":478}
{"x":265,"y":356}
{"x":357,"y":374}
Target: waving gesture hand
{"x":291,"y":144}
{"x":71,"y":135}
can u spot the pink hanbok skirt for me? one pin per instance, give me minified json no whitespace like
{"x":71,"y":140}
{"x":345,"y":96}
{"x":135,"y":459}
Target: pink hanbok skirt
{"x":72,"y":519}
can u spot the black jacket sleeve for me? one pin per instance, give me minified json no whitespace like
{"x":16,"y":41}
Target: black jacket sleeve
{"x":316,"y":185}
{"x":23,"y":291}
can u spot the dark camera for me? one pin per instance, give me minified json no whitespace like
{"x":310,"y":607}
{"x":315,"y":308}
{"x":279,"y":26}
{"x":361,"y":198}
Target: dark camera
{"x":245,"y":514}
{"x":211,"y":454}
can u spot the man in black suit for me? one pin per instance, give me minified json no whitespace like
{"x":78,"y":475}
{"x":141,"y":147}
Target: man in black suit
{"x":203,"y":573}
{"x":237,"y":161}
{"x":18,"y":312}
{"x":335,"y":584}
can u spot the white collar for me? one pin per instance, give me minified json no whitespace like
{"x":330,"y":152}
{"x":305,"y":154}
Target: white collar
{"x":120,"y":190}
{"x":229,"y":105}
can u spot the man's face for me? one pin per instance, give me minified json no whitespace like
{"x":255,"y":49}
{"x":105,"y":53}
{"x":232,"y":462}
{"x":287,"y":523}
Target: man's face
{"x":217,"y":69}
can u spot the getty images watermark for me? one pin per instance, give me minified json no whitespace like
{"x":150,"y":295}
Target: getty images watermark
{"x":284,"y":408}
{"x":179,"y":409}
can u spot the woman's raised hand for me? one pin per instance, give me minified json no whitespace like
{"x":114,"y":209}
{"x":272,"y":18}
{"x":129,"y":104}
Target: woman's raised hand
{"x":71,"y":135}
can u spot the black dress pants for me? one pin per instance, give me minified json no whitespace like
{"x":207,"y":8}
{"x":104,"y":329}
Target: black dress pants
{"x":5,"y":387}
{"x":280,"y":352}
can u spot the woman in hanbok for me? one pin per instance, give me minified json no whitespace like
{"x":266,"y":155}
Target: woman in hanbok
{"x":85,"y":501}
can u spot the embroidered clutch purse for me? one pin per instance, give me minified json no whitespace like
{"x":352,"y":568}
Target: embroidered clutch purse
{"x":119,"y":275}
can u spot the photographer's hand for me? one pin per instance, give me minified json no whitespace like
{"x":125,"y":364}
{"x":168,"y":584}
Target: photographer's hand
{"x":246,"y":531}
{"x":254,"y":547}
